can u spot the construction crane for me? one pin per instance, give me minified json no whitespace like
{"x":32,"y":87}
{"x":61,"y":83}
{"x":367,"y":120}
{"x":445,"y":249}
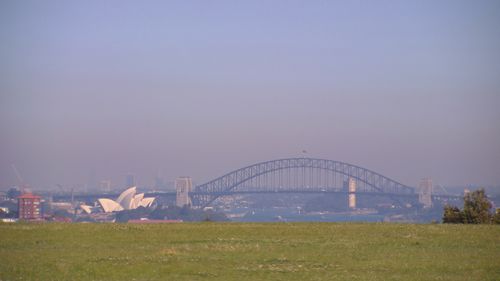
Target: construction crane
{"x":22,"y":185}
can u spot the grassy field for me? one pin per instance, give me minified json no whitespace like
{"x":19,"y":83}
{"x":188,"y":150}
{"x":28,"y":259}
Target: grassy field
{"x":234,"y":251}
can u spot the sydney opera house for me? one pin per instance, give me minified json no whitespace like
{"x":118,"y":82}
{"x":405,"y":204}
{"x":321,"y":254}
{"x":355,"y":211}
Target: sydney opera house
{"x":128,"y":200}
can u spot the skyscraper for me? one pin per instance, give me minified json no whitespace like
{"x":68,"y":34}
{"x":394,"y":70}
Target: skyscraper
{"x":105,"y":185}
{"x":159,"y":183}
{"x":92,"y":180}
{"x":130,"y":180}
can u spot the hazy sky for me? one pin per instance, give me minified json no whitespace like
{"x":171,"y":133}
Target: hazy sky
{"x":409,"y":89}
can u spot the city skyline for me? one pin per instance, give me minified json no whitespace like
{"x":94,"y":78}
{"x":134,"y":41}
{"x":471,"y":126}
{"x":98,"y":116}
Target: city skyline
{"x":198,"y":89}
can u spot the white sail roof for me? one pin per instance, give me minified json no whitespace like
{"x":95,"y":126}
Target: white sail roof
{"x":146,"y":202}
{"x":132,"y":190}
{"x":137,"y":200}
{"x":86,"y":208}
{"x":125,"y":199}
{"x":109,"y":205}
{"x":128,"y":200}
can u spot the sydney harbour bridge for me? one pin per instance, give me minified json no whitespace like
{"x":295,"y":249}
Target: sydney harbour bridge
{"x":301,"y":175}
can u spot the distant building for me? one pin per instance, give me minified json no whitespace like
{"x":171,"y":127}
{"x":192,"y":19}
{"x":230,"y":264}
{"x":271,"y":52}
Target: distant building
{"x":159,"y":184}
{"x":29,"y":206}
{"x":130,"y":180}
{"x":3,"y":196}
{"x":425,"y":192}
{"x":159,"y":181}
{"x":105,"y":185}
{"x":183,"y":185}
{"x":92,"y":181}
{"x":62,"y":206}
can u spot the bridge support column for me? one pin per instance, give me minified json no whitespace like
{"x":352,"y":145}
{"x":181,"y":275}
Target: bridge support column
{"x":425,"y":193}
{"x":183,"y":185}
{"x":352,"y":193}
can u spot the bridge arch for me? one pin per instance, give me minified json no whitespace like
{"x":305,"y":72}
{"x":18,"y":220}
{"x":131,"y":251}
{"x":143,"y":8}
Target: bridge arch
{"x":374,"y":182}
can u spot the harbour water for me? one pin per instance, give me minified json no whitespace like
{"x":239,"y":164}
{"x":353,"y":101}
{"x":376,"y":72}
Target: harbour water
{"x":294,"y":215}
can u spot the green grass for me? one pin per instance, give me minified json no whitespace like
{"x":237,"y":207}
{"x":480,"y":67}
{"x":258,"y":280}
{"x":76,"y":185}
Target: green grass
{"x":234,"y":251}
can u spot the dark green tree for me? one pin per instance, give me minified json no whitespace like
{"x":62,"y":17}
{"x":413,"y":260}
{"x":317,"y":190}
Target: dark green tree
{"x":477,"y":207}
{"x":452,"y":214}
{"x":496,"y":217}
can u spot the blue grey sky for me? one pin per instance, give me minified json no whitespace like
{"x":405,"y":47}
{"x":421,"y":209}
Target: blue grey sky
{"x":409,"y":89}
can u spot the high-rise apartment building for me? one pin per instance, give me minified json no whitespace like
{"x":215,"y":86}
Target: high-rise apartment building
{"x":183,"y":185}
{"x":29,"y":206}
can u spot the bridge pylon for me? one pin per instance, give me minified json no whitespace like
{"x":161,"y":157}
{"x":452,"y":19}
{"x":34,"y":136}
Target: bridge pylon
{"x":352,"y":193}
{"x":183,"y":185}
{"x":425,"y":192}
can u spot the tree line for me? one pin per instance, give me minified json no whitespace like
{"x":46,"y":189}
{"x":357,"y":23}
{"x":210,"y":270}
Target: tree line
{"x":477,"y":210}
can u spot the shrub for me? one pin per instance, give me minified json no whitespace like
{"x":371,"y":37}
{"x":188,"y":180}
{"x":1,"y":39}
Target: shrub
{"x":452,"y":214}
